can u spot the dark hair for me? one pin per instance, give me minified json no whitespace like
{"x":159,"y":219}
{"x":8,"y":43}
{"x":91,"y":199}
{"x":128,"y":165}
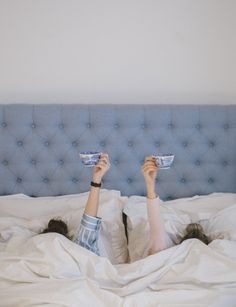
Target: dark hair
{"x":57,"y":226}
{"x":195,"y":231}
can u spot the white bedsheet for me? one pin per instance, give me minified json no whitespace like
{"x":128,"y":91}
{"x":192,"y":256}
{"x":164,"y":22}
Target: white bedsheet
{"x":50,"y":270}
{"x":23,"y":215}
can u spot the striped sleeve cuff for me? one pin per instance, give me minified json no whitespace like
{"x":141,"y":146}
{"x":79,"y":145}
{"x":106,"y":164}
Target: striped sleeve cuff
{"x":91,"y":222}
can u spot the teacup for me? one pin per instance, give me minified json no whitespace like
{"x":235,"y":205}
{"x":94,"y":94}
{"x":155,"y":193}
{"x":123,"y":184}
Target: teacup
{"x":164,"y":161}
{"x":90,"y":158}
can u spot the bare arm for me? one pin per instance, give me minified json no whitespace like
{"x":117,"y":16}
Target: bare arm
{"x":99,"y":171}
{"x":157,"y":228}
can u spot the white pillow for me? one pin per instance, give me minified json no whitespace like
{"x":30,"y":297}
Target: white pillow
{"x":34,"y":213}
{"x":222,"y":224}
{"x":201,"y":207}
{"x":177,"y":215}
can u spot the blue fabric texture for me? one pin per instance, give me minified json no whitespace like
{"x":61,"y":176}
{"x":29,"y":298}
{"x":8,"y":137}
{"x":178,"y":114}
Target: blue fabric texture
{"x":88,"y":233}
{"x":40,"y":145}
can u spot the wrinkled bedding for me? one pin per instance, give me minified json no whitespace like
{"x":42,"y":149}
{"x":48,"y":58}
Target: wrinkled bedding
{"x":50,"y":270}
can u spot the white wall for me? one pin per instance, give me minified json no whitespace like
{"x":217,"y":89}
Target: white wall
{"x":123,"y":51}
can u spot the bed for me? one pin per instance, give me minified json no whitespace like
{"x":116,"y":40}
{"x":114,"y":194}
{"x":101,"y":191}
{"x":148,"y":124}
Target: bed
{"x":42,"y":176}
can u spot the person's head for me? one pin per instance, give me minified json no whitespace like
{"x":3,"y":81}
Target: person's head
{"x":195,"y":231}
{"x":58,"y":226}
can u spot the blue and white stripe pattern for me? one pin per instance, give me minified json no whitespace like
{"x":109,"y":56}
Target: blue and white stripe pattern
{"x":87,"y":235}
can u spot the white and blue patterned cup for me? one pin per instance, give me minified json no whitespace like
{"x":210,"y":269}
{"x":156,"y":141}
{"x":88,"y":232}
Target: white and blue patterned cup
{"x":164,"y":161}
{"x":90,"y":158}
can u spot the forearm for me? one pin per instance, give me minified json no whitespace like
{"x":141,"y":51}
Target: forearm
{"x":92,"y":204}
{"x":157,"y":234}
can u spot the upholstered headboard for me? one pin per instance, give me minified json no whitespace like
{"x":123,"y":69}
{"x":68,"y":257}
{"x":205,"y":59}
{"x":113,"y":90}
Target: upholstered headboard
{"x":39,"y":146}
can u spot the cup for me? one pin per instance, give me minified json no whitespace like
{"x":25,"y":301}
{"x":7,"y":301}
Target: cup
{"x":164,"y":161}
{"x":90,"y":158}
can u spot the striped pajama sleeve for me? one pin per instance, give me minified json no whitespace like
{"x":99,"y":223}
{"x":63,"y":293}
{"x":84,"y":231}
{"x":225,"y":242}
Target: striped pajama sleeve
{"x":88,"y":233}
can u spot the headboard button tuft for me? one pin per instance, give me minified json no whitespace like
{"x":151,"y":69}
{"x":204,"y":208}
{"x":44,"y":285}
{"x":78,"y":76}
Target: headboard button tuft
{"x":210,"y":180}
{"x":212,"y":144}
{"x":198,"y":126}
{"x":74,"y":143}
{"x":226,"y":126}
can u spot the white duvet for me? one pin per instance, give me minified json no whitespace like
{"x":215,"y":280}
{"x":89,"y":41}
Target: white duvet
{"x":50,"y":270}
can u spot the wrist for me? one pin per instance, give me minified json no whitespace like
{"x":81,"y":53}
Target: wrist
{"x":150,"y":184}
{"x":96,"y":179}
{"x":150,"y":187}
{"x":95,"y":184}
{"x":152,"y":195}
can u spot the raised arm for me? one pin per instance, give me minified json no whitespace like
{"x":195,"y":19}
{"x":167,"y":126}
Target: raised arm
{"x":157,"y":236}
{"x":88,"y":233}
{"x":99,"y":171}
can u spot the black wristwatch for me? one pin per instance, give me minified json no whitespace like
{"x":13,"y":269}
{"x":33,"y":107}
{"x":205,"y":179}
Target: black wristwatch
{"x":96,"y":185}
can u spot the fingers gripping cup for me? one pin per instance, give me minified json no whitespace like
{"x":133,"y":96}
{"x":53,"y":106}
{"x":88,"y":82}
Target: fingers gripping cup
{"x":90,"y":158}
{"x":164,"y":161}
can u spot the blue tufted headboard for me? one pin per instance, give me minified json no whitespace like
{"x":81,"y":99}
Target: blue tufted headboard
{"x":39,"y":146}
